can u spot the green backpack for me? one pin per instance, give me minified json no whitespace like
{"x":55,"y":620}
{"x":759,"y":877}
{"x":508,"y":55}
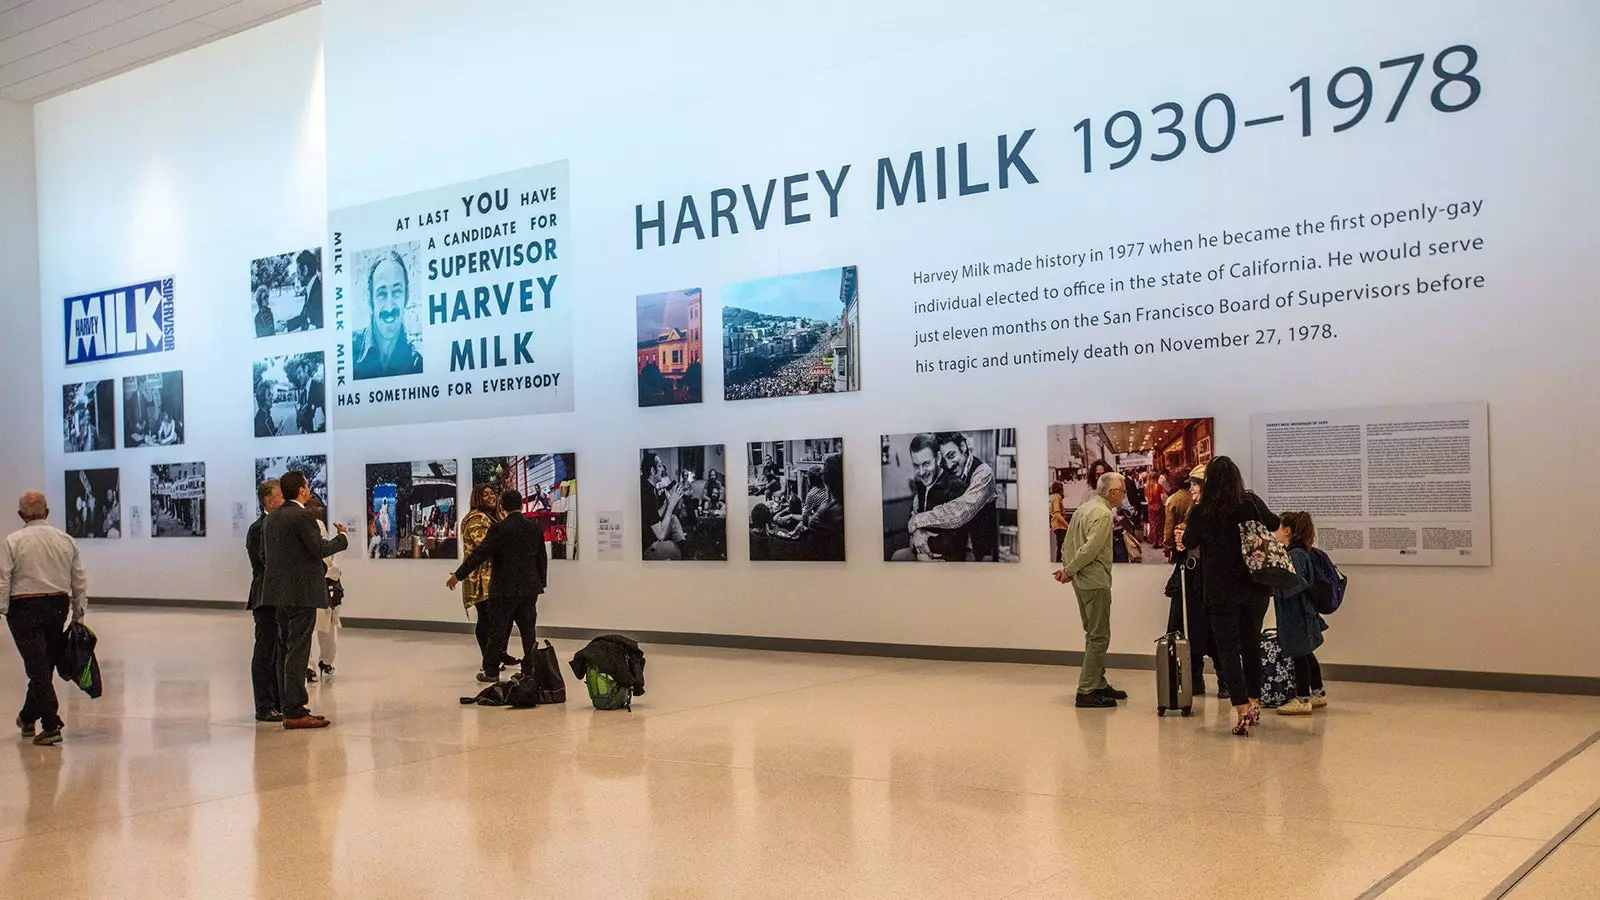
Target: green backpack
{"x":605,"y":692}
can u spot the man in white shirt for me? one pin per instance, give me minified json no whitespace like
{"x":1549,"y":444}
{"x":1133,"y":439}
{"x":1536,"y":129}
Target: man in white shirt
{"x":41,"y":579}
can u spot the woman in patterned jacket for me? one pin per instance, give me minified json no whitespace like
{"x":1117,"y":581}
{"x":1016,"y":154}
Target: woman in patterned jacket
{"x":475,"y":589}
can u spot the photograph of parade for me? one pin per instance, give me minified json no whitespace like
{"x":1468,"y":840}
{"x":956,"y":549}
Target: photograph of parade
{"x":669,"y":360}
{"x":950,"y":496}
{"x":178,"y":500}
{"x":286,"y":292}
{"x":1154,"y":457}
{"x":411,"y":510}
{"x":683,"y":499}
{"x":94,"y":503}
{"x":797,"y":500}
{"x":88,"y":421}
{"x":791,"y":335}
{"x":548,"y":484}
{"x":291,"y":396}
{"x":313,"y":466}
{"x":152,"y":410}
{"x":385,"y":318}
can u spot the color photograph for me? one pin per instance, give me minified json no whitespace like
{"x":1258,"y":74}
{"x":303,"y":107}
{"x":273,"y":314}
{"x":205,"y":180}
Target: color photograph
{"x":548,"y":484}
{"x":386,"y":318}
{"x":178,"y":500}
{"x":683,"y":500}
{"x":290,"y":395}
{"x":797,"y":500}
{"x":669,"y":360}
{"x":411,"y":510}
{"x":313,"y":466}
{"x":1154,"y":456}
{"x":286,"y":292}
{"x":94,"y":503}
{"x":950,"y":496}
{"x":791,"y":335}
{"x":88,"y":421}
{"x":152,"y":410}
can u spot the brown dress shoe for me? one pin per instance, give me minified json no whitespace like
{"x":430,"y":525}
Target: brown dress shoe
{"x":306,"y":722}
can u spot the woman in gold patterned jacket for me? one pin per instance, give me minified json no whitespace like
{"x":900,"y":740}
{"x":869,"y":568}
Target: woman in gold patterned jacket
{"x":475,"y":589}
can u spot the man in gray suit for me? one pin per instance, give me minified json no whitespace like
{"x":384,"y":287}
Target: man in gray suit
{"x":295,"y":582}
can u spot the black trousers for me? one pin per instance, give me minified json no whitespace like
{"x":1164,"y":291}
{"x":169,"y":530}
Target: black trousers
{"x":1201,"y":642}
{"x":1307,"y":675}
{"x":295,"y":627}
{"x":501,"y":614}
{"x":266,"y":661}
{"x":38,"y":625}
{"x":1236,"y":629}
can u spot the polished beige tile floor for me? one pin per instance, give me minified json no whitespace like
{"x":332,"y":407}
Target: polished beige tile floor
{"x":739,"y":774}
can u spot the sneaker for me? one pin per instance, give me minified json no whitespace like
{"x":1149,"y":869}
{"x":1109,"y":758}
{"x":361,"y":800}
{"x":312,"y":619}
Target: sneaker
{"x":1113,"y":693}
{"x":27,"y":728}
{"x":48,"y":738}
{"x":326,"y":669}
{"x":1318,"y":701}
{"x":1296,"y":707}
{"x":1095,"y":700}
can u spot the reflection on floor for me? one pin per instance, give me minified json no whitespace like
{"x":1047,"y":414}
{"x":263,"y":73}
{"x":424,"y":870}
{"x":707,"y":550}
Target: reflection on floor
{"x":739,"y":774}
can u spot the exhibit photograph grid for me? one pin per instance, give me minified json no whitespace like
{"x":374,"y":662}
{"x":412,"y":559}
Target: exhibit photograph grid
{"x":88,"y":416}
{"x":411,"y":510}
{"x":950,"y":496}
{"x":548,"y":484}
{"x":286,"y":292}
{"x":94,"y":503}
{"x":683,"y":503}
{"x":1153,"y":456}
{"x":796,"y":491}
{"x":152,"y":410}
{"x":178,"y":500}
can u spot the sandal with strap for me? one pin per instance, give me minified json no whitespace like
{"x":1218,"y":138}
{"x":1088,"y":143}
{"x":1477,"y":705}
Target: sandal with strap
{"x":1241,"y":728}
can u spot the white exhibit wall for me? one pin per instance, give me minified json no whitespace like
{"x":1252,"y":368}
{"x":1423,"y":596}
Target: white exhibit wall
{"x":216,"y":158}
{"x":188,"y":168}
{"x":21,"y":454}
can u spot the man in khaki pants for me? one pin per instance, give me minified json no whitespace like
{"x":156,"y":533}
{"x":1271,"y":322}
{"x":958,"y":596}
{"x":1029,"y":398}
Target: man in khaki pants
{"x":1086,"y":565}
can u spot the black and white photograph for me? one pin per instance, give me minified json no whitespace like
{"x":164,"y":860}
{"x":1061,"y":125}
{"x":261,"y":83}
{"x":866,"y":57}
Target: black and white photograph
{"x":386,"y":318}
{"x":683,"y":498}
{"x":313,"y":466}
{"x":94,"y":503}
{"x":1155,"y":456}
{"x":290,"y":395}
{"x":152,"y":410}
{"x":411,"y":510}
{"x":88,"y":420}
{"x":286,"y":292}
{"x":178,"y":500}
{"x":950,"y":496}
{"x":797,"y":500}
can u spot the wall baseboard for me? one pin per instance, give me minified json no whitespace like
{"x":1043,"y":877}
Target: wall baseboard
{"x":1441,"y":678}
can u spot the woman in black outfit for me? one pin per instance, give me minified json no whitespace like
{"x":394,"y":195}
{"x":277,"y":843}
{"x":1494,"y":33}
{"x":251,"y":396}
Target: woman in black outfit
{"x":1236,"y":603}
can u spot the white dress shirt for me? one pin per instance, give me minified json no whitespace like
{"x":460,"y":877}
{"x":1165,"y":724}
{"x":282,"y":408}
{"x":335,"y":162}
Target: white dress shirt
{"x":42,"y":559}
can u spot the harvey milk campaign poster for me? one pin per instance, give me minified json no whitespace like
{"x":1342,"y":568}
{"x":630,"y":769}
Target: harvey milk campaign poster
{"x":453,"y":303}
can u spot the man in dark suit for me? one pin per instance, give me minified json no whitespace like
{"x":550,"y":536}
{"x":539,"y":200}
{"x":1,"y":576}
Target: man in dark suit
{"x":515,"y":547}
{"x":308,"y":266}
{"x":266,"y":663}
{"x":296,"y":583}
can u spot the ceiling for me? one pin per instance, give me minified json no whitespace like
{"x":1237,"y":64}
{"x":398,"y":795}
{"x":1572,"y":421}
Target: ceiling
{"x":48,"y":47}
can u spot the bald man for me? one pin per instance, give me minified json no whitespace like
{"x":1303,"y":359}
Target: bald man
{"x":41,"y":580}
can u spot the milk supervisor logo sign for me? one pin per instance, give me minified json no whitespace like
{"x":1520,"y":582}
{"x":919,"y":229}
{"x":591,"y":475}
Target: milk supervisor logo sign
{"x":127,"y":321}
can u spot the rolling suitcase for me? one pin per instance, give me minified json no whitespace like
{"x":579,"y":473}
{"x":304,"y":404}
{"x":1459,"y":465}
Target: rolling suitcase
{"x":1173,"y":690}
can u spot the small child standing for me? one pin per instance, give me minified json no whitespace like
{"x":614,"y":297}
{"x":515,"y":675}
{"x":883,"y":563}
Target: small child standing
{"x":1300,"y":627}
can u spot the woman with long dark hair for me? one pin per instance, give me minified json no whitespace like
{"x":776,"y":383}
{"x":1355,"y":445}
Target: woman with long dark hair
{"x":1236,"y":604}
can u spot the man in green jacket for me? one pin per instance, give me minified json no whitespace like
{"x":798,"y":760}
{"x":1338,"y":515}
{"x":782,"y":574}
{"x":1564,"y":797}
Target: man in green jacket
{"x":1086,"y":565}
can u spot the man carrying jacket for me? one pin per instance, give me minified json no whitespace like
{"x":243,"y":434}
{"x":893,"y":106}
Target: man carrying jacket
{"x":514,"y":546}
